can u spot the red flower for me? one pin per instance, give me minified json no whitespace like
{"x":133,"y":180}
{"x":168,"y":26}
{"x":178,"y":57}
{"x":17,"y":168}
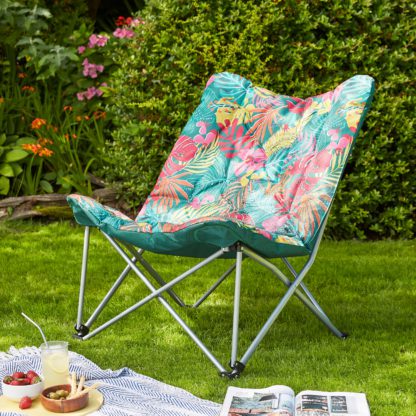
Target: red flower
{"x":120,"y":21}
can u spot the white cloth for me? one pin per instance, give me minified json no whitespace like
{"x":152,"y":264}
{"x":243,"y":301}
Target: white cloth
{"x":125,"y":392}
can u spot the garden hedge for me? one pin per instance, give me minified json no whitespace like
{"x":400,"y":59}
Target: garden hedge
{"x":297,"y":48}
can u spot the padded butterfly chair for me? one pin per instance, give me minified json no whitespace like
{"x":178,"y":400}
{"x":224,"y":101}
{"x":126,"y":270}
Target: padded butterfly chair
{"x":253,"y":174}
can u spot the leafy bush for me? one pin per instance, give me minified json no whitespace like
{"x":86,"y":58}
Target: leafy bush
{"x":40,"y":74}
{"x":294,"y":48}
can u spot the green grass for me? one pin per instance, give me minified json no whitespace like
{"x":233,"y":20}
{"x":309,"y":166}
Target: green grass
{"x":368,"y":289}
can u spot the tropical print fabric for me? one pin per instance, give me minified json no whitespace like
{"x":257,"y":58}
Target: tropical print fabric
{"x":258,"y":167}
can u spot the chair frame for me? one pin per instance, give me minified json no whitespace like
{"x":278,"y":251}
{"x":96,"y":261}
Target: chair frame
{"x":132,"y":257}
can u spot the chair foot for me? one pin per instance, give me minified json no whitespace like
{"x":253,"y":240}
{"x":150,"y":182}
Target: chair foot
{"x":237,"y":369}
{"x":344,"y":335}
{"x":82,"y":330}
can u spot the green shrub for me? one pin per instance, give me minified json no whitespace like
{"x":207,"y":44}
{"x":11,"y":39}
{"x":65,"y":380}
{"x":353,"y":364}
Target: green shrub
{"x":294,"y":48}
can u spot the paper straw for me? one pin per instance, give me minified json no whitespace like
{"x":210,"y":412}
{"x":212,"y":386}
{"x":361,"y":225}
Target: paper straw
{"x":38,"y":327}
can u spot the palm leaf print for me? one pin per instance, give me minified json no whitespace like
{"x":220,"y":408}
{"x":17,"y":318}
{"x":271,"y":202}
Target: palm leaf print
{"x":167,"y":191}
{"x":203,"y":159}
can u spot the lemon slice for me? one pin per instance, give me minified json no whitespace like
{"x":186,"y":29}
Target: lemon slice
{"x":58,"y":363}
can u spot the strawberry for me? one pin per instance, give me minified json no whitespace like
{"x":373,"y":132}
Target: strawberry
{"x":25,"y":381}
{"x":25,"y":402}
{"x":35,"y":380}
{"x":18,"y":374}
{"x":16,"y":383}
{"x":30,"y":374}
{"x":7,"y":379}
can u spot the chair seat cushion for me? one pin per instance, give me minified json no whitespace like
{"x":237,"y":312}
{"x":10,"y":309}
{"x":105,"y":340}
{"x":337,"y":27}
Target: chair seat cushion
{"x":198,"y":238}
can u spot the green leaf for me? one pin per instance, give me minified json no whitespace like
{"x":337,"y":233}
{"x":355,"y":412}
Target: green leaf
{"x":4,"y":185}
{"x":17,"y":169}
{"x":15,"y":155}
{"x":50,"y":176}
{"x":25,"y":140}
{"x":46,"y":186}
{"x":2,"y":139}
{"x":6,"y":170}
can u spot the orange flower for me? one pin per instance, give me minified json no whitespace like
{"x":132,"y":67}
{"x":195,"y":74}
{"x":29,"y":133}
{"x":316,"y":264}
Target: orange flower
{"x":38,"y":149}
{"x":100,"y":114}
{"x":78,"y":118}
{"x":31,"y":147}
{"x":21,"y":75}
{"x":28,"y":88}
{"x":68,"y":108}
{"x":45,"y":152}
{"x":37,"y":123}
{"x":44,"y":141}
{"x":86,"y":117}
{"x":1,"y":100}
{"x":74,"y":136}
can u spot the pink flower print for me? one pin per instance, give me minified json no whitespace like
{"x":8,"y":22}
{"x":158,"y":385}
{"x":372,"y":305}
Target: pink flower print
{"x":209,"y":138}
{"x":334,"y":134}
{"x":183,"y":151}
{"x":81,"y":49}
{"x":327,"y":96}
{"x":252,"y":160}
{"x":245,"y":218}
{"x":272,"y":224}
{"x":344,"y":142}
{"x":196,"y":203}
{"x":210,"y":81}
{"x":208,"y":198}
{"x":97,"y":40}
{"x":202,"y":127}
{"x":299,"y":106}
{"x":233,"y":138}
{"x":320,"y":163}
{"x":123,"y":33}
{"x":264,"y":233}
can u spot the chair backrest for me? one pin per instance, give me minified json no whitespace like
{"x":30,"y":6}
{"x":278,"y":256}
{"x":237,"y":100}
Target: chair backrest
{"x":264,"y":161}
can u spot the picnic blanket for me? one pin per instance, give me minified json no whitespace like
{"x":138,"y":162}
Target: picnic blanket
{"x":125,"y":392}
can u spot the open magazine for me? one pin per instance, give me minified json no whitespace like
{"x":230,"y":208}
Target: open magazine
{"x":282,"y":401}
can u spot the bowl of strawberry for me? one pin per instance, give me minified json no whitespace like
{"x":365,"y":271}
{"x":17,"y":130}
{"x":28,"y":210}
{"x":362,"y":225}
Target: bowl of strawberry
{"x":21,"y":385}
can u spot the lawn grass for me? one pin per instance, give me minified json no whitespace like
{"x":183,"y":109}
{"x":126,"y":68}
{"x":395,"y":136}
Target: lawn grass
{"x":368,"y":289}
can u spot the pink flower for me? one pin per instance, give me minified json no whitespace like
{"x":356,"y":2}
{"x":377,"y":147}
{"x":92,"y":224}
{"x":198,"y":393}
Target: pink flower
{"x":89,"y":94}
{"x":81,"y":49}
{"x":123,"y":33}
{"x":97,"y":40}
{"x":252,"y":160}
{"x":91,"y":70}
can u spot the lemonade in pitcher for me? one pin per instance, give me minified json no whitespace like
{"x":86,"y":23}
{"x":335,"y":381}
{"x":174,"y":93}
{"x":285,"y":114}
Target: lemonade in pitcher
{"x":55,"y":363}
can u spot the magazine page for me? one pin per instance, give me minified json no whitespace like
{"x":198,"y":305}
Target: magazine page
{"x":271,"y":401}
{"x":320,"y":403}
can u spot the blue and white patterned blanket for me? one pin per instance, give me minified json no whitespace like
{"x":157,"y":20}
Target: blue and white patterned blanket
{"x":126,"y":393}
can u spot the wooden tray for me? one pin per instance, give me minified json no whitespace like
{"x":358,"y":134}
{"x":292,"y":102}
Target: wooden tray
{"x":95,"y":402}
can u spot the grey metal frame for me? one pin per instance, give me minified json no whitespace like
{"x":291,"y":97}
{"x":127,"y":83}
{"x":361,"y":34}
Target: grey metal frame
{"x":295,"y":287}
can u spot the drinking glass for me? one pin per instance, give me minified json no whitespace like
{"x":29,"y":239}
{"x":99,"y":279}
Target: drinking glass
{"x":55,"y":363}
